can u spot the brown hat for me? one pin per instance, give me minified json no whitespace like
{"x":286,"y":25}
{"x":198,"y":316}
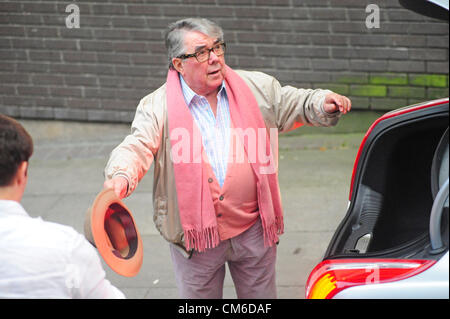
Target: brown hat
{"x":110,"y":227}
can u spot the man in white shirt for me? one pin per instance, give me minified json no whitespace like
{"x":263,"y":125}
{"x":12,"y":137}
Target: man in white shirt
{"x":40,"y":259}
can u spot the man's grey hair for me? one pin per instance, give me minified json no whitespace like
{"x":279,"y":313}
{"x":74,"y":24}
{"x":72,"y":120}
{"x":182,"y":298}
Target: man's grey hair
{"x":174,"y":36}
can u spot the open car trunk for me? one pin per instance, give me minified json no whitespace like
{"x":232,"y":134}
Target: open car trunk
{"x":393,"y":193}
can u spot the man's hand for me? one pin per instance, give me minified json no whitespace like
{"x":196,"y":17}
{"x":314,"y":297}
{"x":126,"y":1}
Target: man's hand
{"x":335,"y":102}
{"x":119,"y":184}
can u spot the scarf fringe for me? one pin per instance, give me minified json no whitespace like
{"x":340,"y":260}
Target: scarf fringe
{"x":201,"y":240}
{"x":271,"y":232}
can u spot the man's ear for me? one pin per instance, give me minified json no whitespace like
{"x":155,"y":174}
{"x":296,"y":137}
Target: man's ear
{"x":22,"y":173}
{"x":178,"y":65}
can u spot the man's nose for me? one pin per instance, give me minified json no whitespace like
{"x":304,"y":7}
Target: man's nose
{"x":212,"y":57}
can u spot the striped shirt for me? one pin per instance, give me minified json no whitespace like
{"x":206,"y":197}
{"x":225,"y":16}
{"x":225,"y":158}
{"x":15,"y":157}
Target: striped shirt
{"x":215,"y":130}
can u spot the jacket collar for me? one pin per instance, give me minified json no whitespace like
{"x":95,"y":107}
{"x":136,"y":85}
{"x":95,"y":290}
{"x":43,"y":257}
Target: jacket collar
{"x":189,"y":94}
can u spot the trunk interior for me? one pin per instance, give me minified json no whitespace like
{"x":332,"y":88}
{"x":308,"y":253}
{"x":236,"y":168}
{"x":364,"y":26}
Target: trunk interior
{"x":390,"y":209}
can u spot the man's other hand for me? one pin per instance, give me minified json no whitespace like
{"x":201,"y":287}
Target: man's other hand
{"x":335,"y":102}
{"x":119,"y":184}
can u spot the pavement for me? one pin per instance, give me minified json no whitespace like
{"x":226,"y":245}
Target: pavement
{"x":66,"y":173}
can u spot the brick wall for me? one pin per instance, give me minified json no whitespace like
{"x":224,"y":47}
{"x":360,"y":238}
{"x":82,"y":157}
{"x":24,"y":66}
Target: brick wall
{"x":98,"y":72}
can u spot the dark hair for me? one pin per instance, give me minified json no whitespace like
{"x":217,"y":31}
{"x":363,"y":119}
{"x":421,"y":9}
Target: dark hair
{"x":16,"y":146}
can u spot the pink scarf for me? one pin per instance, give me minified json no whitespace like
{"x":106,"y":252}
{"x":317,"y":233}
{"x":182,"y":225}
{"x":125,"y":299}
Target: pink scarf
{"x":196,"y":208}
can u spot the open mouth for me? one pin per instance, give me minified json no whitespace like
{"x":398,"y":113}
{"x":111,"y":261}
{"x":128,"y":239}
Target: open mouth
{"x":214,"y":72}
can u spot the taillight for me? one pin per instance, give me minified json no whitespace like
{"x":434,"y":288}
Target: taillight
{"x":332,"y":276}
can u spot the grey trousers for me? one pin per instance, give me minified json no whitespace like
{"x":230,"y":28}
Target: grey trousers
{"x":252,"y":268}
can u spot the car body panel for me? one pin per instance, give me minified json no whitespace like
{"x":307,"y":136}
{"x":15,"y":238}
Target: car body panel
{"x":437,"y":9}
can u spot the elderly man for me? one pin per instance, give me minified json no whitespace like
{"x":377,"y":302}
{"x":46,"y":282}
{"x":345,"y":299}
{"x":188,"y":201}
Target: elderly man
{"x":212,"y":133}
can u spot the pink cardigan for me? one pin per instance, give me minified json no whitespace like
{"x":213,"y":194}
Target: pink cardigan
{"x":236,"y":203}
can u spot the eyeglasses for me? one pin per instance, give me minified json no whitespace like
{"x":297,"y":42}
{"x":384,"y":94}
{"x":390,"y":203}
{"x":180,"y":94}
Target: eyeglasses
{"x":203,"y":54}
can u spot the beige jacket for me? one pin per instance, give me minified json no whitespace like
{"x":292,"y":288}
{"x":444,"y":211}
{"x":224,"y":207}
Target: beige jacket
{"x":284,"y":108}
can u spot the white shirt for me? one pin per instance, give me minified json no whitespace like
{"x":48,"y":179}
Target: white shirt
{"x":215,"y":130}
{"x":40,"y":259}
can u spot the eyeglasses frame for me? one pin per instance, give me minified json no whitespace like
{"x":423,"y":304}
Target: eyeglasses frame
{"x":194,"y":55}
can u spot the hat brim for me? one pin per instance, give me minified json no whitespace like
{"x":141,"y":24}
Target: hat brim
{"x":110,"y":227}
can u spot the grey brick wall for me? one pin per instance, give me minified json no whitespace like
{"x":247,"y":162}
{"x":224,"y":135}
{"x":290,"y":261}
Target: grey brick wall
{"x":100,"y":71}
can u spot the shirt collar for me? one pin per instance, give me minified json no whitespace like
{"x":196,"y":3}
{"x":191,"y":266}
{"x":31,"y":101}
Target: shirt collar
{"x":189,"y":94}
{"x":10,"y":207}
